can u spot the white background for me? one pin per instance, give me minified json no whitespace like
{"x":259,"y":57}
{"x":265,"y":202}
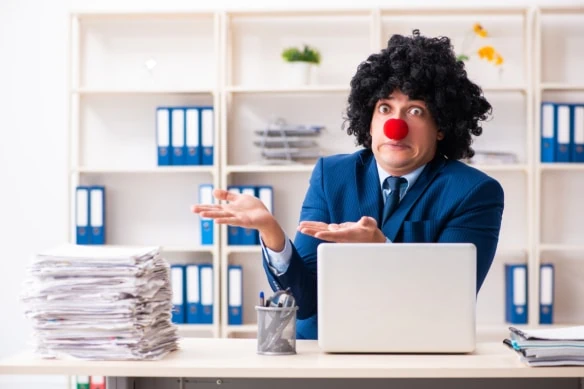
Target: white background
{"x":34,"y":121}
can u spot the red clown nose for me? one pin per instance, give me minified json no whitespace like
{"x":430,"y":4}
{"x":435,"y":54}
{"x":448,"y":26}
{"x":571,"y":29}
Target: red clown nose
{"x":395,"y":129}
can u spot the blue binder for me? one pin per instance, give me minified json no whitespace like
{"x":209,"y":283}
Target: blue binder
{"x":548,"y":132}
{"x":234,"y":233}
{"x":82,"y":228}
{"x":578,"y":133}
{"x":193,"y":294}
{"x":163,"y":135}
{"x":563,"y":132}
{"x":207,"y":135}
{"x":207,"y":300}
{"x":248,"y":236}
{"x":206,"y":197}
{"x":516,"y":293}
{"x":97,"y":214}
{"x":177,"y":134}
{"x":192,"y":136}
{"x":546,"y":293}
{"x":266,"y":194}
{"x":177,"y":281}
{"x":235,"y":294}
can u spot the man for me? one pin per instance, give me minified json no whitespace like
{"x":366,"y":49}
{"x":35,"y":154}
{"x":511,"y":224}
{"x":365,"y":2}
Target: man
{"x":428,"y":197}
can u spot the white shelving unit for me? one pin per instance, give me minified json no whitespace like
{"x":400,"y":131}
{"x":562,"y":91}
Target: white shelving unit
{"x":123,"y":66}
{"x":231,"y":60}
{"x":559,"y":228}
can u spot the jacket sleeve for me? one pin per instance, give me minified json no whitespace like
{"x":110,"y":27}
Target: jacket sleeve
{"x":300,"y":276}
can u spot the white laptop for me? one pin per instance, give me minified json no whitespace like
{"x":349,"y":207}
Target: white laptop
{"x":396,"y":298}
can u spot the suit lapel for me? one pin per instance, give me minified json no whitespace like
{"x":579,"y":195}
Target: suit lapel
{"x":368,"y":188}
{"x":395,"y":221}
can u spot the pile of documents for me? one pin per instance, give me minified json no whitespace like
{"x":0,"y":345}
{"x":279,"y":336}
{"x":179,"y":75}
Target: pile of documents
{"x":101,"y":303}
{"x":549,"y":347}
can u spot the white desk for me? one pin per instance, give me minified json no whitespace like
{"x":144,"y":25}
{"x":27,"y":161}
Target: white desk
{"x":237,"y":358}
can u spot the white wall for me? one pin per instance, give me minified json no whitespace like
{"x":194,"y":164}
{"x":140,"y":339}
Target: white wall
{"x":33,"y":133}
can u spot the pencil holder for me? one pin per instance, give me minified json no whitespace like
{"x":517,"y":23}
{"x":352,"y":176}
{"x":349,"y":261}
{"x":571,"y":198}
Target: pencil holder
{"x":276,"y":330}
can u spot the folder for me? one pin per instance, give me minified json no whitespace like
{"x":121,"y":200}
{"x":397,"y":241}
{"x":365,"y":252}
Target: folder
{"x":177,"y":134}
{"x":546,"y":293}
{"x":163,"y":135}
{"x":548,"y":134}
{"x":192,"y":135}
{"x":233,"y":232}
{"x":235,"y":294}
{"x":83,"y":233}
{"x":97,"y":382}
{"x":206,"y":278}
{"x":207,"y":135}
{"x":206,"y":197}
{"x":266,"y":194}
{"x":193,"y":294}
{"x":177,"y":281}
{"x":564,"y":130}
{"x":578,"y":133}
{"x":516,"y":293}
{"x":82,"y":382}
{"x":97,"y":212}
{"x":248,"y":236}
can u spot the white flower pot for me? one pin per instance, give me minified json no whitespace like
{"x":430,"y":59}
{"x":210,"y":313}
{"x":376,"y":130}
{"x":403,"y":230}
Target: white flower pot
{"x":298,"y":73}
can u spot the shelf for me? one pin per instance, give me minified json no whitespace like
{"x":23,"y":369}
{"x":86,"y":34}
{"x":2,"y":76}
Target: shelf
{"x":504,"y":88}
{"x":242,"y":329}
{"x":500,"y":168}
{"x":562,"y":166}
{"x":295,"y":168}
{"x":288,"y":89}
{"x":187,"y":330}
{"x":154,"y":170}
{"x":561,"y":86}
{"x":96,"y":91}
{"x":187,"y":249}
{"x":256,"y":249}
{"x":561,"y":247}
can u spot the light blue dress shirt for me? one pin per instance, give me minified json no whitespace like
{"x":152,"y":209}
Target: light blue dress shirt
{"x":278,"y":262}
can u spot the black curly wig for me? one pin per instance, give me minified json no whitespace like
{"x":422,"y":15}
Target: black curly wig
{"x":423,"y":69}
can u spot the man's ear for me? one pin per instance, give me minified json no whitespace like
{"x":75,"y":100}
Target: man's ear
{"x":440,"y":135}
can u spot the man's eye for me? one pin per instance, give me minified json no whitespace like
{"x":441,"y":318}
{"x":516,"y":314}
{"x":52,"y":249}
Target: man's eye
{"x":383,"y":108}
{"x":416,"y":111}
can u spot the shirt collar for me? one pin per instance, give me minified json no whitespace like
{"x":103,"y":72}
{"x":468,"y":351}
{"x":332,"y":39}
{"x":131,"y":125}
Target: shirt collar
{"x":410,"y":177}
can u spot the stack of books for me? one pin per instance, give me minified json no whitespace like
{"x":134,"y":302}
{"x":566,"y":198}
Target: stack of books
{"x":101,"y":303}
{"x":548,"y":347}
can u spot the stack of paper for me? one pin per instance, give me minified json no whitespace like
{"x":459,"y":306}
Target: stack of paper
{"x":549,"y":347}
{"x":99,"y":302}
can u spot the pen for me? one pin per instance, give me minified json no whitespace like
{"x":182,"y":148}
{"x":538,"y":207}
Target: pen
{"x":262,"y":298}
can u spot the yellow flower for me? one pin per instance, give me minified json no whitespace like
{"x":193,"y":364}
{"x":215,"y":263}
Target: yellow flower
{"x":498,"y":59}
{"x":486,"y":52}
{"x":479,"y":30}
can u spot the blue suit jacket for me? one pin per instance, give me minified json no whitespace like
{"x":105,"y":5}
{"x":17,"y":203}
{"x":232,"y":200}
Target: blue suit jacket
{"x":449,"y":202}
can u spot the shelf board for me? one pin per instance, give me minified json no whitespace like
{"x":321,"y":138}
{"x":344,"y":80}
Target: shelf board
{"x":561,"y":86}
{"x":193,"y":329}
{"x":255,"y":249}
{"x":294,"y":168}
{"x":98,"y":91}
{"x":187,"y":249}
{"x":504,"y":88}
{"x":287,"y":89}
{"x":561,"y":247}
{"x":245,"y":328}
{"x":511,"y":167}
{"x":153,"y":170}
{"x":562,"y":166}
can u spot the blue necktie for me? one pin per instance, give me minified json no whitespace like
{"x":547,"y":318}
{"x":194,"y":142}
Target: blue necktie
{"x":392,"y":200}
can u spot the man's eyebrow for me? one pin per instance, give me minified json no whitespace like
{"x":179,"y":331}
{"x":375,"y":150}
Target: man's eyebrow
{"x":413,"y":101}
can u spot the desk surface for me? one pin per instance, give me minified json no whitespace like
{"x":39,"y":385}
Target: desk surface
{"x":231,"y":358}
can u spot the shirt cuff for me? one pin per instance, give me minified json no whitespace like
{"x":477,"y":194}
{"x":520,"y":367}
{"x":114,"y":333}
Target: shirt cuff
{"x":387,"y":240}
{"x":278,"y":262}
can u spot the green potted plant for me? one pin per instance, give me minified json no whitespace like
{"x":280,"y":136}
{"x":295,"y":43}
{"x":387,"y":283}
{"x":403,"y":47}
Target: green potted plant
{"x":300,"y":62}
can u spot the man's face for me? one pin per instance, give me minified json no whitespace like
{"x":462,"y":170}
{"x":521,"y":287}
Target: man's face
{"x":399,"y":157}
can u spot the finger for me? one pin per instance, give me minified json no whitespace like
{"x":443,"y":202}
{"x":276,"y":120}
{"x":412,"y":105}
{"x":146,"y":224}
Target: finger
{"x":232,"y":221}
{"x":367,"y":221}
{"x":315,"y":228}
{"x":317,"y":225}
{"x":205,"y":207}
{"x":309,"y":231}
{"x":217,"y":214}
{"x":341,"y":236}
{"x":333,"y":227}
{"x":222,"y":194}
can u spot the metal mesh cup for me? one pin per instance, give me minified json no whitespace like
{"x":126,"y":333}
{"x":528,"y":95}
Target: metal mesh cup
{"x":276,"y":330}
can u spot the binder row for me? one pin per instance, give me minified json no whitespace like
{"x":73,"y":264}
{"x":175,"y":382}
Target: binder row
{"x":562,"y":132}
{"x":246,"y":236}
{"x":90,"y":382}
{"x":90,"y":214}
{"x":516,"y":287}
{"x":185,"y":135}
{"x":192,"y":293}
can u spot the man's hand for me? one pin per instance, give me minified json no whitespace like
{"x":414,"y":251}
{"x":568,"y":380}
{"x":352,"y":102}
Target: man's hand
{"x":363,"y":231}
{"x":244,"y":211}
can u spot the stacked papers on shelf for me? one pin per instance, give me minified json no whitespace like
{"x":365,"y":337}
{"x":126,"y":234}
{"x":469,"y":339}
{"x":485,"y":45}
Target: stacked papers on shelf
{"x":100,"y":302}
{"x":548,"y":347}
